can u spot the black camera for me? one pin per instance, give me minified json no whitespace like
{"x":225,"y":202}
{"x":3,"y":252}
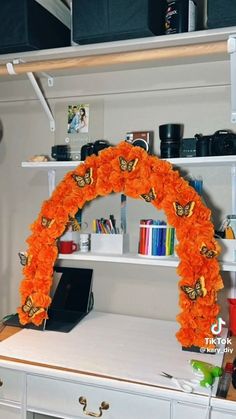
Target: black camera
{"x":221,"y":143}
{"x":93,"y":148}
{"x":65,"y":153}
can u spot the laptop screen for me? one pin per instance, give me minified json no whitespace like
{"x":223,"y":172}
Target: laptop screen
{"x":73,"y":290}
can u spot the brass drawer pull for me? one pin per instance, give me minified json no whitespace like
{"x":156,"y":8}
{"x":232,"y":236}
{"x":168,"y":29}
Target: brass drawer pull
{"x":104,"y":406}
{"x":1,"y":383}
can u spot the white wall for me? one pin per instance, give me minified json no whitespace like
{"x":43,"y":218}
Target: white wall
{"x":196,"y":95}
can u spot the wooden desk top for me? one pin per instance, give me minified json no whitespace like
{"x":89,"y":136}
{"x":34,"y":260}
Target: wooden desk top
{"x":8,"y":331}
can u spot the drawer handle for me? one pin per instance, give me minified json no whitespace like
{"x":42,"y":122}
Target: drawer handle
{"x":1,"y":383}
{"x":104,"y":406}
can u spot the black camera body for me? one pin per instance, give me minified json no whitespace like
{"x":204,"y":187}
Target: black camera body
{"x":222,"y":143}
{"x":61,"y":153}
{"x":65,"y":153}
{"x":93,"y":148}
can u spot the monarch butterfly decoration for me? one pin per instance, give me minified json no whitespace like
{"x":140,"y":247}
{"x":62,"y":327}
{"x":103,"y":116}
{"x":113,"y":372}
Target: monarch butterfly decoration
{"x":208,"y":253}
{"x":25,"y":259}
{"x":198,"y":290}
{"x":150,"y":196}
{"x":85,"y":180}
{"x":46,"y":222}
{"x":184,"y":210}
{"x":75,"y":225}
{"x":29,"y":307}
{"x":127,"y":166}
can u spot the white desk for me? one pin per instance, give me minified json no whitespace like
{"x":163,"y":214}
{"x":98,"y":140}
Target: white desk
{"x":107,"y":357}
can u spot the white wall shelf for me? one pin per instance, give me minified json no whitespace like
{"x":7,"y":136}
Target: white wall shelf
{"x":51,"y":164}
{"x":134,"y":259}
{"x":127,"y":258}
{"x":182,"y":161}
{"x":209,"y":45}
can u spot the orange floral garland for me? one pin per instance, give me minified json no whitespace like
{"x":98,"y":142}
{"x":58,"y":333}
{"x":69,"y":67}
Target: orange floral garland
{"x":132,"y":171}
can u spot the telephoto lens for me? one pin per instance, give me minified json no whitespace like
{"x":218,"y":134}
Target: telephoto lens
{"x":170,"y":136}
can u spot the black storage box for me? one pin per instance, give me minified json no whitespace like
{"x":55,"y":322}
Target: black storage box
{"x":26,"y":25}
{"x":111,"y":20}
{"x":221,"y":13}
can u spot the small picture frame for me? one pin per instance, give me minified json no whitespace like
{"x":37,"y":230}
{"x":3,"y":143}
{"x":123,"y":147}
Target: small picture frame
{"x":78,"y":118}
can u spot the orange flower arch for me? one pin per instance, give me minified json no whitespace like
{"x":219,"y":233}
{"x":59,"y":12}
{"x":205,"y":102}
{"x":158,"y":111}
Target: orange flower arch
{"x":132,"y":171}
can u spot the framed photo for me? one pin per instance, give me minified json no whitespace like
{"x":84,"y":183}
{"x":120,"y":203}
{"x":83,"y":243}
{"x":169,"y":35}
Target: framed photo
{"x":78,"y":118}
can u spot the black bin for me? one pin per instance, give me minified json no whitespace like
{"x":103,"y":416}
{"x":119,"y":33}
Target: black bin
{"x":26,"y":25}
{"x":221,"y":13}
{"x":110,"y":20}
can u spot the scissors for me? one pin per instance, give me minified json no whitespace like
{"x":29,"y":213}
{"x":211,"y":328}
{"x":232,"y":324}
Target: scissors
{"x":185,"y":385}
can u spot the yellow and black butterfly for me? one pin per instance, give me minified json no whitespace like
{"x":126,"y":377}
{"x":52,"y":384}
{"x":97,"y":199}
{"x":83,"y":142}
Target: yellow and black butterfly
{"x":127,"y":166}
{"x":150,"y":196}
{"x":25,"y":259}
{"x":208,"y":253}
{"x":184,"y":211}
{"x":46,"y":222}
{"x":75,"y":225}
{"x":198,"y":290}
{"x":87,"y":179}
{"x":29,"y":307}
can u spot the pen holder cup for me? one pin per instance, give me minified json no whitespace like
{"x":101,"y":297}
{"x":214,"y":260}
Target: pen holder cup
{"x":228,"y":250}
{"x":156,"y":240}
{"x":109,"y":243}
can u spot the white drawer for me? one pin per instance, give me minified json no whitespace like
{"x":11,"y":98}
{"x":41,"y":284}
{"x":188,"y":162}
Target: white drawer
{"x":222,"y":414}
{"x":12,"y":385}
{"x":8,"y":412}
{"x":47,"y":395}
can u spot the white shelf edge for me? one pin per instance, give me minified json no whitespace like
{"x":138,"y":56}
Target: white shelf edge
{"x":180,"y":161}
{"x":228,"y":266}
{"x":50,"y":164}
{"x":125,"y":258}
{"x":202,"y":161}
{"x":134,"y":259}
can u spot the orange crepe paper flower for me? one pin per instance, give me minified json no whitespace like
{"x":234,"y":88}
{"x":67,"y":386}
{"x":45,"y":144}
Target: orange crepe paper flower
{"x":132,"y":171}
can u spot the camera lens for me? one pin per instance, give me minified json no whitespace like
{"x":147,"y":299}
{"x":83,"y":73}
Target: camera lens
{"x":171,"y":132}
{"x":169,"y":149}
{"x":141,"y":143}
{"x":170,"y":136}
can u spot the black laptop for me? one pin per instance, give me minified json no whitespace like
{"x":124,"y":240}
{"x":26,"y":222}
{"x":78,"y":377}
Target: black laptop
{"x":72,"y":300}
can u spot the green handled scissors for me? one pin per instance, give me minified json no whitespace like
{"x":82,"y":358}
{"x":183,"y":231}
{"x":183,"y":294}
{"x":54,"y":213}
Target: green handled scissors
{"x":185,"y":385}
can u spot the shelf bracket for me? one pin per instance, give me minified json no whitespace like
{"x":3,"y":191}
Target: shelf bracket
{"x":35,"y":85}
{"x":231,"y":47}
{"x":49,"y":78}
{"x":42,"y":100}
{"x":51,"y":181}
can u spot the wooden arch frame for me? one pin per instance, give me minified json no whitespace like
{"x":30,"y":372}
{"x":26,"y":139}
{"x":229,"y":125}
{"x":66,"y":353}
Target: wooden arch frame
{"x":132,"y":171}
